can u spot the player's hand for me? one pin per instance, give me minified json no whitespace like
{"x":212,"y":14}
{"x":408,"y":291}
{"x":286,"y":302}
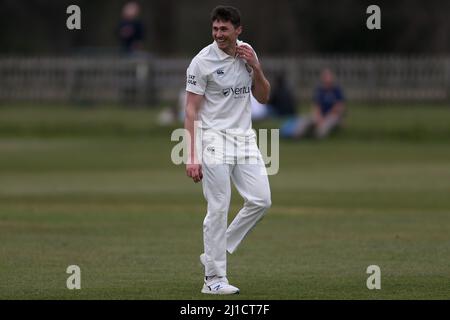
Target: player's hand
{"x":247,"y":53}
{"x":194,"y":171}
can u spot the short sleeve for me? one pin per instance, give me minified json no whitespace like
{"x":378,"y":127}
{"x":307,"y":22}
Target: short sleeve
{"x":254,"y":52}
{"x":195,"y":78}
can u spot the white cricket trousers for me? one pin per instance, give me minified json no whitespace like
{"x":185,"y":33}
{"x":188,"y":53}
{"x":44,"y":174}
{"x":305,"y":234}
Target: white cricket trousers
{"x":252,"y":183}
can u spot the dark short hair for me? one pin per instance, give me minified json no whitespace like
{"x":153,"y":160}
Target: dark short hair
{"x":225,"y":14}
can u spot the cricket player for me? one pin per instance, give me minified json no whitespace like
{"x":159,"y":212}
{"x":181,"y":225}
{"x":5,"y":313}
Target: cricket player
{"x":220,"y":81}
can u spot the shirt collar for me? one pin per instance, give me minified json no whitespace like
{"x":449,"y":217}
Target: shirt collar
{"x":222,"y":54}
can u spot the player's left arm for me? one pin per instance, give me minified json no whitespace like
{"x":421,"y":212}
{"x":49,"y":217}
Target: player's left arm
{"x":260,"y":85}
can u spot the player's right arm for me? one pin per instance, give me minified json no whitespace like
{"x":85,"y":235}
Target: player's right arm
{"x":196,"y":81}
{"x":193,"y":105}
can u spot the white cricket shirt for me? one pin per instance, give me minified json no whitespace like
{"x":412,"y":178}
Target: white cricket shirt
{"x":225,"y":82}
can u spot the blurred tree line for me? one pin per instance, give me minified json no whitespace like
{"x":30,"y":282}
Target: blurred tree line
{"x":182,"y":27}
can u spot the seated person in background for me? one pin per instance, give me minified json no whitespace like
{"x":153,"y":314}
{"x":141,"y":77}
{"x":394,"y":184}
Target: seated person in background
{"x":282,"y":101}
{"x":328,"y":111}
{"x":328,"y":108}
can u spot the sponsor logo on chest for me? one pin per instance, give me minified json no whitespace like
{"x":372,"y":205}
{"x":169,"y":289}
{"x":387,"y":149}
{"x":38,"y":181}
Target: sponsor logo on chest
{"x":237,"y":92}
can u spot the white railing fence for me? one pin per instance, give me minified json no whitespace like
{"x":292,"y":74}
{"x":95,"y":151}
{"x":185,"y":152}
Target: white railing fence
{"x":146,"y":81}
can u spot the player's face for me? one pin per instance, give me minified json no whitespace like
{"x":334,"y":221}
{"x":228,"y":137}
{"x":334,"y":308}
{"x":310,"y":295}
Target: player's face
{"x":225,"y":34}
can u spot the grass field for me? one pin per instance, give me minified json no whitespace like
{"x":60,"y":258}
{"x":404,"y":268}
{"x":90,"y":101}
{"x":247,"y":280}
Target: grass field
{"x":96,"y":188}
